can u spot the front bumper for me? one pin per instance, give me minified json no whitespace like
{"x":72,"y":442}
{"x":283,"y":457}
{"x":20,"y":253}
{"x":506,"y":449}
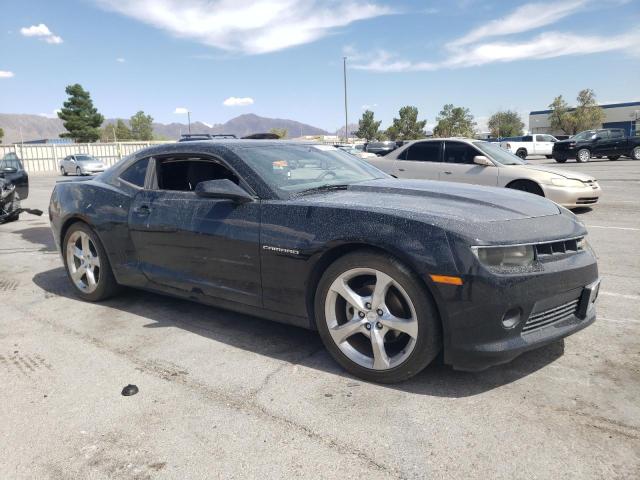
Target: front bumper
{"x":475,"y":337}
{"x":573,"y":197}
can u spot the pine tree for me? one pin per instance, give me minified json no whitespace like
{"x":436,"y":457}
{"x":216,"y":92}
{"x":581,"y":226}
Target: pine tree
{"x":80,"y":117}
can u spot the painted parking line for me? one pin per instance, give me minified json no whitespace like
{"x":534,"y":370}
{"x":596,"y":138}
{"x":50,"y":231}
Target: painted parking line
{"x":615,"y":228}
{"x":620,"y":295}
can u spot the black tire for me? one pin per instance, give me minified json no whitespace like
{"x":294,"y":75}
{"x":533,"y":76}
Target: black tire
{"x":585,"y":153}
{"x":429,"y":338}
{"x":526,"y":186}
{"x":106,"y":284}
{"x":549,"y":156}
{"x":635,"y":153}
{"x":522,"y":153}
{"x":9,"y":207}
{"x":613,"y":157}
{"x":78,"y":171}
{"x":63,"y":171}
{"x":560,"y":160}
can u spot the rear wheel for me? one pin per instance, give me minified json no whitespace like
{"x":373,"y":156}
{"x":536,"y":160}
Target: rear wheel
{"x":376,"y":318}
{"x":549,"y":156}
{"x":522,"y":153}
{"x":583,"y":156}
{"x":526,"y":186}
{"x":635,"y":154}
{"x":87,"y":264}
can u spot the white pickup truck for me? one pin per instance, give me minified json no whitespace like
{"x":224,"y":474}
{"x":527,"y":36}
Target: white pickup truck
{"x":536,"y":144}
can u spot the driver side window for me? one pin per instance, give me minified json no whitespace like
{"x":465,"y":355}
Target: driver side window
{"x":183,"y":174}
{"x":457,"y":152}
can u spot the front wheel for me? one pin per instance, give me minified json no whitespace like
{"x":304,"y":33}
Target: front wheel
{"x":526,"y":186}
{"x":78,"y":171}
{"x":376,"y":318}
{"x":583,"y":156}
{"x":63,"y":172}
{"x":87,"y":265}
{"x":560,"y":160}
{"x":522,"y":153}
{"x":635,"y":154}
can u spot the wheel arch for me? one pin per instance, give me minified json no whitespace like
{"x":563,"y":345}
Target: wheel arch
{"x":526,"y":180}
{"x":338,"y":251}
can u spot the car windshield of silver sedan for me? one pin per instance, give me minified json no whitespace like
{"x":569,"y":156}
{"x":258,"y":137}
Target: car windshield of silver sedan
{"x":86,"y":159}
{"x":498,"y":154}
{"x":295,"y":169}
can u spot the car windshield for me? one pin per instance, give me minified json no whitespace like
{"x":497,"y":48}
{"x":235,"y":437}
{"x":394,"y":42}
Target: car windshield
{"x":498,"y":154}
{"x":588,"y":135}
{"x":86,"y":158}
{"x":293,"y":169}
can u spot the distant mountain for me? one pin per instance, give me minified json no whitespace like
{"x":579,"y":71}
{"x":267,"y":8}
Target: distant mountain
{"x":19,"y":127}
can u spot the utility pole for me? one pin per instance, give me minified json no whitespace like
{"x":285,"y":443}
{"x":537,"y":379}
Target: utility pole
{"x":189,"y":120}
{"x":346,"y":114}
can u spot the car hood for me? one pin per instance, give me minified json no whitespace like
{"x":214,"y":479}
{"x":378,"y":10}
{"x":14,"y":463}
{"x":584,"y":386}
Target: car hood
{"x":563,"y":173}
{"x":442,"y":199}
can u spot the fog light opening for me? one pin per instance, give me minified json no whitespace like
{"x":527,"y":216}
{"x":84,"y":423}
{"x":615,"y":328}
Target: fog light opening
{"x":512,"y":318}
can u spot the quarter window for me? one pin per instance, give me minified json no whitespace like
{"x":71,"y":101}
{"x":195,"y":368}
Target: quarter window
{"x":424,"y":152}
{"x":456,"y":152}
{"x":136,"y":173}
{"x":616,"y":134}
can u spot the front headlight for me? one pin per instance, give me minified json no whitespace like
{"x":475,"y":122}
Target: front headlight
{"x":566,"y":182}
{"x":516,"y":256}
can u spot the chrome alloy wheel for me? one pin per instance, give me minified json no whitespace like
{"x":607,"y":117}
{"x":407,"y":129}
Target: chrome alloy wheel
{"x":371,"y":318}
{"x":584,"y":155}
{"x":83,"y":262}
{"x":636,"y":153}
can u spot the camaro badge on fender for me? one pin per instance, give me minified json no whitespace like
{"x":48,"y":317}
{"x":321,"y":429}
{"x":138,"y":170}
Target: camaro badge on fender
{"x":281,"y":250}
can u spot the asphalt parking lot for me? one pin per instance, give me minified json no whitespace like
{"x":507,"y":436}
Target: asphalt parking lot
{"x":224,"y":395}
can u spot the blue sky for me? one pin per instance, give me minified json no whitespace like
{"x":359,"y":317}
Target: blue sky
{"x":283,"y":58}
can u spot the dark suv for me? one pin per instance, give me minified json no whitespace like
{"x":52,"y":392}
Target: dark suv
{"x":607,"y":142}
{"x":11,"y":169}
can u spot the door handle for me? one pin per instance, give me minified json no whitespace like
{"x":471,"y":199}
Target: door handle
{"x":143,"y":210}
{"x":401,"y":169}
{"x":447,"y":173}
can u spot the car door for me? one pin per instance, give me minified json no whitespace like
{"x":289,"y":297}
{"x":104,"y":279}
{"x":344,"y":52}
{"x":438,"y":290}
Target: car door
{"x":458,"y":165}
{"x":618,"y":142}
{"x":420,"y":160}
{"x":11,"y":169}
{"x":203,"y":246}
{"x":543,"y":144}
{"x":603,"y":144}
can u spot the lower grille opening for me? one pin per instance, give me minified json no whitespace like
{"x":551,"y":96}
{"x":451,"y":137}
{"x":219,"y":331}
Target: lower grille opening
{"x":551,"y":316}
{"x":586,"y":201}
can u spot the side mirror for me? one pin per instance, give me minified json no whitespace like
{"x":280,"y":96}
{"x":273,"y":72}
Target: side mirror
{"x":222,"y":189}
{"x":482,"y":160}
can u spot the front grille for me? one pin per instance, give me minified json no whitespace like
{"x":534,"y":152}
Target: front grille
{"x":553,"y":315}
{"x":561,"y":247}
{"x":586,"y":201}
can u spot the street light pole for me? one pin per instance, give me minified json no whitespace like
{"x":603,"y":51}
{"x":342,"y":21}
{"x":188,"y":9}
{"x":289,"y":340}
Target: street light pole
{"x":346,"y":115}
{"x":189,"y":120}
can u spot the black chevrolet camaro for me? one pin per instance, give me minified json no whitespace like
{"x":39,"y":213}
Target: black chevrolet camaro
{"x":390,"y":272}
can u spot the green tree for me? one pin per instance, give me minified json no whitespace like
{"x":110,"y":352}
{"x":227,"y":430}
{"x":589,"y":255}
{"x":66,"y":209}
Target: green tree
{"x":1,"y":134}
{"x":281,"y":132}
{"x":588,"y":114}
{"x":407,"y":127}
{"x":505,"y":124}
{"x":116,"y":132}
{"x":80,"y":117}
{"x":454,"y":122}
{"x":560,"y":119}
{"x":141,"y":126}
{"x":368,"y":128}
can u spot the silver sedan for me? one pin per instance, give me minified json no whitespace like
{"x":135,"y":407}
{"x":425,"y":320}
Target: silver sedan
{"x":81,"y":164}
{"x":482,"y":163}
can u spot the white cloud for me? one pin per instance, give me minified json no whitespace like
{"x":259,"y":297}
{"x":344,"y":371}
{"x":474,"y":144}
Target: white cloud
{"x":527,"y":17}
{"x":367,"y":106}
{"x":248,"y":26}
{"x":238,"y":101}
{"x":41,"y":31}
{"x":6,"y":74}
{"x":53,"y":114}
{"x":120,"y":60}
{"x":207,"y":124}
{"x":181,"y":111}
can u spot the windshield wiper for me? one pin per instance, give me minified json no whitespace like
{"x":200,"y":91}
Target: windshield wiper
{"x":321,"y":188}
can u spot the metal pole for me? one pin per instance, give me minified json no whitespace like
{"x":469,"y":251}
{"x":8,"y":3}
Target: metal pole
{"x":346,"y":115}
{"x":189,"y":120}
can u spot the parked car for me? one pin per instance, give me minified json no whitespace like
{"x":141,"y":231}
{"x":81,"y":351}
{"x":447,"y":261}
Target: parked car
{"x":606,"y":142}
{"x":358,"y":152}
{"x":10,"y":207}
{"x":12,"y":170}
{"x":484,"y":163}
{"x":536,"y":144}
{"x":81,"y":164}
{"x":381,"y":148}
{"x":390,"y":272}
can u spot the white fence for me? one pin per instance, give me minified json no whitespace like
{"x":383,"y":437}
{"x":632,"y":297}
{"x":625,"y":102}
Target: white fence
{"x":42,"y":158}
